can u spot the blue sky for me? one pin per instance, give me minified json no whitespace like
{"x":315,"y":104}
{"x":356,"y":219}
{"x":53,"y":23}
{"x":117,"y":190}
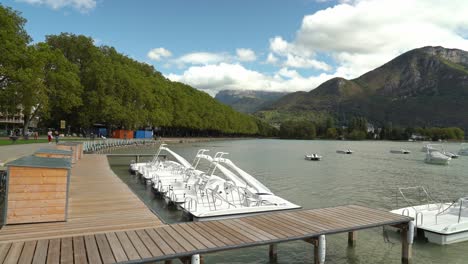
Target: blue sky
{"x":281,"y":45}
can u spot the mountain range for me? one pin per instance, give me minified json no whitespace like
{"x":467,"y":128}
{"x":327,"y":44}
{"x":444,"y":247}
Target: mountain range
{"x":423,"y":87}
{"x":247,"y":101}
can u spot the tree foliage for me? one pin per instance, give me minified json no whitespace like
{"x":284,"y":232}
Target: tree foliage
{"x":297,"y":130}
{"x":35,"y":79}
{"x":70,"y":78}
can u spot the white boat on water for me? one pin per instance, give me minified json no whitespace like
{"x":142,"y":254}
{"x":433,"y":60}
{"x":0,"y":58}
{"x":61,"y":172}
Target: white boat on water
{"x":463,"y":149}
{"x":344,"y":151}
{"x":136,"y":167}
{"x":429,"y":147}
{"x":436,"y":157}
{"x":240,"y":194}
{"x":314,"y":156}
{"x":400,"y":151}
{"x":441,"y":223}
{"x":450,"y":154}
{"x":223,"y":191}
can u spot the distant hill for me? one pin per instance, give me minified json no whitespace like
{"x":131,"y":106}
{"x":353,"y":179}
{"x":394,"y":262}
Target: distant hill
{"x":422,"y":87}
{"x":247,"y":101}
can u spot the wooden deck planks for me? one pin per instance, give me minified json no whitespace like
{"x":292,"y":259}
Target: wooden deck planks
{"x":53,"y":252}
{"x":14,"y":252}
{"x":4,"y":248}
{"x":40,"y":255}
{"x":172,"y":242}
{"x":92,"y":250}
{"x":79,"y":251}
{"x":138,"y":244}
{"x":185,"y":239}
{"x":149,"y":243}
{"x":180,"y":239}
{"x":104,"y":249}
{"x":207,"y":243}
{"x":165,"y":248}
{"x":127,"y":246}
{"x":116,"y":247}
{"x":28,"y":252}
{"x":66,"y":251}
{"x":190,"y":237}
{"x":99,"y":202}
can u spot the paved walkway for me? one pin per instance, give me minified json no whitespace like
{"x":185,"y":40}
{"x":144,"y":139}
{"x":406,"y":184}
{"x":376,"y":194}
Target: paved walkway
{"x":12,"y":152}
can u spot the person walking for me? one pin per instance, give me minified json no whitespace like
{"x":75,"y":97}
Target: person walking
{"x":49,"y":136}
{"x":57,"y":135}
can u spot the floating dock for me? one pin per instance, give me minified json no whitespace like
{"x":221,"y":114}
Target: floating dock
{"x":108,"y":223}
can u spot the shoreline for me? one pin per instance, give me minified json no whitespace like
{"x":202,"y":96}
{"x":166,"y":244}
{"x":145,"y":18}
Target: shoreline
{"x":184,"y":140}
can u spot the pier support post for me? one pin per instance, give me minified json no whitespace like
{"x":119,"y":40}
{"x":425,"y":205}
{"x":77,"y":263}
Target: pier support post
{"x":352,"y":238}
{"x":168,"y":261}
{"x":196,"y":259}
{"x":273,"y":253}
{"x":407,"y":235}
{"x":319,"y":249}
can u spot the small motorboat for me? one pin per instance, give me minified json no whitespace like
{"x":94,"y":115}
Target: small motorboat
{"x":400,"y":151}
{"x":344,"y":151}
{"x":440,"y":222}
{"x":429,"y":147}
{"x":450,"y":154}
{"x":314,"y":156}
{"x":436,"y":157}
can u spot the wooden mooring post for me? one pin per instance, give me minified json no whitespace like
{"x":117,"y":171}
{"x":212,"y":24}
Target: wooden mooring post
{"x":407,"y":236}
{"x":352,"y":238}
{"x":194,"y":259}
{"x":273,"y":253}
{"x":319,"y":248}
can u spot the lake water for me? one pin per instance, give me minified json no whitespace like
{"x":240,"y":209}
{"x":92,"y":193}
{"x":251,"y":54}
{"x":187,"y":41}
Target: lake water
{"x":368,"y":177}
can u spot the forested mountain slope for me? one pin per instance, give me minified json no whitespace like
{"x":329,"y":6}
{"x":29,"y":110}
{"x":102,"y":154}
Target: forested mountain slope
{"x":422,"y":87}
{"x":248,"y":101}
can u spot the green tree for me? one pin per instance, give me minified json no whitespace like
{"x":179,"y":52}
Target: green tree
{"x":332,"y":133}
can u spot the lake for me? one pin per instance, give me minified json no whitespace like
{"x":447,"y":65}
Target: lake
{"x":369,"y":177}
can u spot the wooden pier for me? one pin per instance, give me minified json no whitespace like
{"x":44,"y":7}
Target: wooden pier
{"x":107,"y":223}
{"x":99,"y":202}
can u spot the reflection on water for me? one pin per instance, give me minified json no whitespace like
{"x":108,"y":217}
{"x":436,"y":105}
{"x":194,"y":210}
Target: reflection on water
{"x":368,"y":177}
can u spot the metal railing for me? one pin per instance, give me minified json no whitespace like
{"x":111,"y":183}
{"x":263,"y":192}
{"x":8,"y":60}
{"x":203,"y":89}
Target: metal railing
{"x":99,"y":145}
{"x":423,"y":197}
{"x":458,"y":203}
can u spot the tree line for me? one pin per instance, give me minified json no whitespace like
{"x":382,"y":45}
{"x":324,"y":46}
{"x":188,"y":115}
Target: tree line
{"x":67,"y":77}
{"x":358,"y":128}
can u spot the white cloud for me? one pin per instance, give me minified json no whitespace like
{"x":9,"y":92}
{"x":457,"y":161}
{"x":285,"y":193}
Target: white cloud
{"x":363,"y":34}
{"x":285,"y":72}
{"x":215,"y":77}
{"x":246,"y":55}
{"x":271,"y":59}
{"x":81,"y":5}
{"x":357,"y":35}
{"x":201,"y":58}
{"x":303,"y":62}
{"x":280,"y":46}
{"x":296,"y":56}
{"x":158,"y":53}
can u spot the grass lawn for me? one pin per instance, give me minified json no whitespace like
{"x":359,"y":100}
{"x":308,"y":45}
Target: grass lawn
{"x":7,"y":141}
